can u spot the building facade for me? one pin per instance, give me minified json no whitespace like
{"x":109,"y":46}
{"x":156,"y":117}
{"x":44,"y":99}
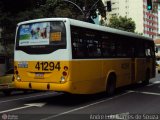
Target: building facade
{"x":146,"y":21}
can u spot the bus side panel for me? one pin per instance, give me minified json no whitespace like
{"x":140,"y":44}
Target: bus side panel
{"x":86,"y":76}
{"x":140,"y":67}
{"x":93,"y":78}
{"x":150,"y":64}
{"x":122,"y":69}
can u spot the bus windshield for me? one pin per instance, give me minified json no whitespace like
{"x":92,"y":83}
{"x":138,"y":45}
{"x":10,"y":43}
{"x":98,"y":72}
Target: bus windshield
{"x":47,"y":36}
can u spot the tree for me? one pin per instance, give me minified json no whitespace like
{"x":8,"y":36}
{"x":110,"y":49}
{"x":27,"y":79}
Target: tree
{"x":61,"y":8}
{"x":11,"y":13}
{"x":15,"y":11}
{"x":122,"y":23}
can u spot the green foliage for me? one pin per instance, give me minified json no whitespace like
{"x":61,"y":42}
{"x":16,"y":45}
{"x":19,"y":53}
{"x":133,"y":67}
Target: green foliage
{"x":139,"y":33}
{"x":61,"y":8}
{"x":122,"y":23}
{"x":11,"y":13}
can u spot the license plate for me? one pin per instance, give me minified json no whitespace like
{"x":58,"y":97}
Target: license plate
{"x":39,"y":75}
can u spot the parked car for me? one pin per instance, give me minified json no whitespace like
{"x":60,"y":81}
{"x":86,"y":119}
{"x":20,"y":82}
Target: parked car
{"x":6,"y":82}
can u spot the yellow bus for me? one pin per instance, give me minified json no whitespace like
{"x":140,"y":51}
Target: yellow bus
{"x":66,"y":55}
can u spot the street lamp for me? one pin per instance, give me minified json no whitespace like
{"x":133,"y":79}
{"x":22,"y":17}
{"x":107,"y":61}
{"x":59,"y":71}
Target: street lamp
{"x":75,"y":5}
{"x":86,"y":14}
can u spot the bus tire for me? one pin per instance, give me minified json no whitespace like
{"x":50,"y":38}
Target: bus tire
{"x":147,"y":78}
{"x":111,"y":85}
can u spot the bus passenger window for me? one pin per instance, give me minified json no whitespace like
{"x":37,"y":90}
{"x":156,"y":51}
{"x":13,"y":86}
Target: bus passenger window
{"x":113,"y":49}
{"x":81,"y":50}
{"x":148,"y":52}
{"x":74,"y":46}
{"x":98,"y":52}
{"x":105,"y":50}
{"x":94,"y":49}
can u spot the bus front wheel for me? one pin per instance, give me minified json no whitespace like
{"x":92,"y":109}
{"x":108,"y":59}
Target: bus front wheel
{"x":111,"y":85}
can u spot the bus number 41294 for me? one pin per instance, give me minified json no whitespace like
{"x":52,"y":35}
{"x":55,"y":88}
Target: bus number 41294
{"x":46,"y":66}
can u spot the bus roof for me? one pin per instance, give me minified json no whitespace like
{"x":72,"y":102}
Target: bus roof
{"x":106,"y":29}
{"x":90,"y":26}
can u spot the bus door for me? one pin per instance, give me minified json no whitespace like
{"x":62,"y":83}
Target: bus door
{"x":140,"y":61}
{"x":150,"y":58}
{"x":137,"y":63}
{"x":140,"y":67}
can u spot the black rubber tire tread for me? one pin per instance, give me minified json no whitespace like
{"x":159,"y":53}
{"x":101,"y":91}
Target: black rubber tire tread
{"x":111,"y":85}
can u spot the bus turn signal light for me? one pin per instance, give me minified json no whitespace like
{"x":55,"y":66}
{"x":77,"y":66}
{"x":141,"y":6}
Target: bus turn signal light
{"x":64,"y":73}
{"x":65,"y":68}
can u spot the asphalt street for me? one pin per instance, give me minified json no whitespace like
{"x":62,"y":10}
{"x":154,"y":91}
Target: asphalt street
{"x":129,"y":103}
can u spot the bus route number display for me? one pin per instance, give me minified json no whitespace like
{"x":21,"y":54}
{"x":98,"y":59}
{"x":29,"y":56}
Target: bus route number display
{"x":46,"y":66}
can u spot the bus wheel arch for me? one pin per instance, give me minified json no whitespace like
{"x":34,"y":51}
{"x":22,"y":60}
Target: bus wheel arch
{"x":111,"y":83}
